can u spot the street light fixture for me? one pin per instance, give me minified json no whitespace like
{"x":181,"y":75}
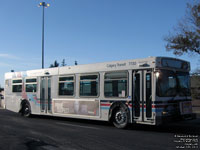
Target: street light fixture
{"x":45,"y":5}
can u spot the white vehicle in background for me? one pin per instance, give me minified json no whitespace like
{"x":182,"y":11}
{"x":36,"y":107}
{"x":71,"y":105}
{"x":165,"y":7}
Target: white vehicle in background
{"x":142,"y":91}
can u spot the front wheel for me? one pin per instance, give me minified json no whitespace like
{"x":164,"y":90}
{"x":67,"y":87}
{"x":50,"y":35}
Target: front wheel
{"x":120,"y":118}
{"x":26,"y":111}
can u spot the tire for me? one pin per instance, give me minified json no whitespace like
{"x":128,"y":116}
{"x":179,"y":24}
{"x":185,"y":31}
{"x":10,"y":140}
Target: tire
{"x":26,"y":111}
{"x":120,"y":118}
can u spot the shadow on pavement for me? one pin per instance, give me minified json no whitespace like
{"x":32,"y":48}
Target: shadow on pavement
{"x":181,"y":127}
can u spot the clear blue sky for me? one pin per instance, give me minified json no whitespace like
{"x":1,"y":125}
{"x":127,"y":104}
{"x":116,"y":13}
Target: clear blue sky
{"x":88,"y":31}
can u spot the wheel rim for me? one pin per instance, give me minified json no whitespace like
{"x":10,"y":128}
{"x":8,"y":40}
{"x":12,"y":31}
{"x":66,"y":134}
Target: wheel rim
{"x":26,"y":111}
{"x":120,"y":117}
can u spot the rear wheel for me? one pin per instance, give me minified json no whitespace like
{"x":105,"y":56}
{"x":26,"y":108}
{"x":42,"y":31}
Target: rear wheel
{"x":120,"y":118}
{"x":26,"y":111}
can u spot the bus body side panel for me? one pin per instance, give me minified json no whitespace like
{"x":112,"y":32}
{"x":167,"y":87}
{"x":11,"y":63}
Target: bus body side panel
{"x":77,"y":107}
{"x":106,"y":106}
{"x":12,"y":100}
{"x":33,"y":98}
{"x":13,"y":103}
{"x":34,"y":102}
{"x":93,"y":109}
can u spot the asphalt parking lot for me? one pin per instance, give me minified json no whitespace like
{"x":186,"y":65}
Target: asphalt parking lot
{"x":54,"y":133}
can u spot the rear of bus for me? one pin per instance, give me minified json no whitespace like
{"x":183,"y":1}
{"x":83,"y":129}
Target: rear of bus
{"x":173,"y":98}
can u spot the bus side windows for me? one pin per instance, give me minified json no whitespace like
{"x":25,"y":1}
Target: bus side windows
{"x":31,"y":85}
{"x":66,"y":86}
{"x":115,"y":84}
{"x":17,"y":85}
{"x":89,"y":85}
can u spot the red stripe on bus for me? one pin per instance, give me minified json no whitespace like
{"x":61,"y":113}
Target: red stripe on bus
{"x":105,"y":104}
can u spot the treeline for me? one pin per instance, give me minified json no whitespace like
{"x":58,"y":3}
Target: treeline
{"x":56,"y":64}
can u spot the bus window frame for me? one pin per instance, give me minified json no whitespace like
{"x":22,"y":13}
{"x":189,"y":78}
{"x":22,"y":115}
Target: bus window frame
{"x":25,"y":83}
{"x":17,"y":84}
{"x":88,"y":74}
{"x":74,"y":80}
{"x":114,"y":97}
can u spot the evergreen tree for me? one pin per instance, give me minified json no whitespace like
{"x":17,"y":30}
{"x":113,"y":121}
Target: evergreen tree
{"x":55,"y":64}
{"x":63,"y":63}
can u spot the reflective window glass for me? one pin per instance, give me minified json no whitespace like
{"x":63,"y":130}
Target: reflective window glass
{"x":115,"y":84}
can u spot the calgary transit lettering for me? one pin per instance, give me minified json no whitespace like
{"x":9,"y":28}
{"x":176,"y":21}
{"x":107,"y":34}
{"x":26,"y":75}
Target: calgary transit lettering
{"x":120,"y":65}
{"x":116,"y":65}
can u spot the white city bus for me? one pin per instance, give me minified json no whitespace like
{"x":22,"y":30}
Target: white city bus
{"x":142,"y":91}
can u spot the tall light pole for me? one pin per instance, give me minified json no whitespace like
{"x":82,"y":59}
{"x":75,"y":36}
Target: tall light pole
{"x":45,"y":5}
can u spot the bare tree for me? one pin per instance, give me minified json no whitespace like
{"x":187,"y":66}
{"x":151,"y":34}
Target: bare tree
{"x":186,"y":37}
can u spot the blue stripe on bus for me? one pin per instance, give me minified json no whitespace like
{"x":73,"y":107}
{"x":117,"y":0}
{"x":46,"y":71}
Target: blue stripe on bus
{"x":105,"y":107}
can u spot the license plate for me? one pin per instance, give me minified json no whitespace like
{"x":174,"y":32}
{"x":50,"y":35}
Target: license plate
{"x":186,"y":108}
